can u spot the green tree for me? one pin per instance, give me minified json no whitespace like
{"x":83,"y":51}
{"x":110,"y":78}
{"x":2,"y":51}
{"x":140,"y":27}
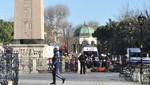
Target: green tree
{"x":104,"y":34}
{"x":6,"y":29}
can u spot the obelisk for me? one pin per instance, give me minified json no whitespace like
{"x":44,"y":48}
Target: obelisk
{"x":29,"y":19}
{"x":28,"y":27}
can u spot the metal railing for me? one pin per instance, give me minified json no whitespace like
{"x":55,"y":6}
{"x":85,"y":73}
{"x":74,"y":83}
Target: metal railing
{"x":9,"y":68}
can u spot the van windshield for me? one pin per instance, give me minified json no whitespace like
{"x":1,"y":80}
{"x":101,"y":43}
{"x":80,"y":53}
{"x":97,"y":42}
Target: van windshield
{"x":90,"y":53}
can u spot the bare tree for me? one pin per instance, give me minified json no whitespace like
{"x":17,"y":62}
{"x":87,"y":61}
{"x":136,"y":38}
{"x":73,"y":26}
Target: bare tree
{"x":55,"y":22}
{"x":93,"y":24}
{"x":127,"y":14}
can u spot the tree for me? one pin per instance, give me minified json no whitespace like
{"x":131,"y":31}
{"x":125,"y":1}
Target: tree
{"x":6,"y":29}
{"x":104,"y":34}
{"x":112,"y":37}
{"x":93,"y":24}
{"x":55,"y":22}
{"x":130,"y":16}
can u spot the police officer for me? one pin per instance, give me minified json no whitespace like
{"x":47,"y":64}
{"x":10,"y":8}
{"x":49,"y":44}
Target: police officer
{"x":56,"y":67}
{"x":82,"y":60}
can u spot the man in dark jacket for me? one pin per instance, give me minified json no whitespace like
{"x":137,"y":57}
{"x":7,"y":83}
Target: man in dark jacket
{"x":56,"y":67}
{"x":82,"y":60}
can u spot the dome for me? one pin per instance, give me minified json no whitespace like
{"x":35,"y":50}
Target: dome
{"x":84,"y":30}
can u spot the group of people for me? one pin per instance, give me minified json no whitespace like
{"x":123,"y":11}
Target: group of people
{"x":106,"y":62}
{"x":69,"y":62}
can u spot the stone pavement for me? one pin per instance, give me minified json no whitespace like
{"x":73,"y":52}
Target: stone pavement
{"x":96,"y":78}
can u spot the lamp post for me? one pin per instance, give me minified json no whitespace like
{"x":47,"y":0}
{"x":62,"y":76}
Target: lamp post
{"x":130,"y":30}
{"x":141,"y":21}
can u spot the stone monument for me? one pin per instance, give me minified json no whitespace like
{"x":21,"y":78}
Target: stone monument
{"x":29,"y":19}
{"x":29,"y":25}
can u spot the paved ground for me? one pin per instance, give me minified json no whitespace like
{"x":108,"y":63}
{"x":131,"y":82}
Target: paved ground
{"x":76,"y":79}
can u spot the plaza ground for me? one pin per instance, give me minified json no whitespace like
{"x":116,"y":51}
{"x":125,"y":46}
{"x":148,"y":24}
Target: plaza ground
{"x":93,"y":78}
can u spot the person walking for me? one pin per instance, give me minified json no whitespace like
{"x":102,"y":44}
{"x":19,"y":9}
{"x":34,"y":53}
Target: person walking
{"x":56,"y":67}
{"x":82,"y":60}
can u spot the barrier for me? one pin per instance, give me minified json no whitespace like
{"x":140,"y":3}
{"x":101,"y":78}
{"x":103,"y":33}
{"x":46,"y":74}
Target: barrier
{"x":9,"y":68}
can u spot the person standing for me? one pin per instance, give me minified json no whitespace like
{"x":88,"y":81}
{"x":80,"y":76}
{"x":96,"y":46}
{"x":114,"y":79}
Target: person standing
{"x":56,"y":67}
{"x":82,"y":60}
{"x":67,"y":59}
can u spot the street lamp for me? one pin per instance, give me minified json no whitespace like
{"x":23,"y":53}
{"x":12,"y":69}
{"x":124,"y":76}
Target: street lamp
{"x":141,"y":21}
{"x":130,"y":35}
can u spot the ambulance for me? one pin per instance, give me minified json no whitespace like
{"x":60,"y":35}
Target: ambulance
{"x":92,"y":56}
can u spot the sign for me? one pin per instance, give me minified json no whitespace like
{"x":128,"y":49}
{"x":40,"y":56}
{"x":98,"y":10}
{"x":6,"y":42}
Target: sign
{"x":90,"y":49}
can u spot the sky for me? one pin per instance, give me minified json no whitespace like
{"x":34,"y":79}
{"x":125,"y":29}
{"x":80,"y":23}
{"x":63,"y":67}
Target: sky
{"x":81,"y":11}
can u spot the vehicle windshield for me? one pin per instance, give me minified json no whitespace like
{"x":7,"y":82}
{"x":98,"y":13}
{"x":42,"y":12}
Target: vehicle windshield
{"x":90,"y":53}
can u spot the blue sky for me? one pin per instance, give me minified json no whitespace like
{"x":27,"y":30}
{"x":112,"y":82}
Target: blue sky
{"x":82,"y":10}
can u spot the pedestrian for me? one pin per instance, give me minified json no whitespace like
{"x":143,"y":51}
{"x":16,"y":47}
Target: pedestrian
{"x":67,"y":59}
{"x":56,"y":67}
{"x":82,"y":60}
{"x":73,"y":64}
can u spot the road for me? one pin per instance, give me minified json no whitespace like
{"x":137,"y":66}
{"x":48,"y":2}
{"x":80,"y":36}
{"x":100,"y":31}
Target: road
{"x":95,"y":78}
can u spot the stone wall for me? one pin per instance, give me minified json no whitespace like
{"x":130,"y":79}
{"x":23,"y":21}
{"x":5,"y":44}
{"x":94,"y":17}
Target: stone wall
{"x":32,"y":57}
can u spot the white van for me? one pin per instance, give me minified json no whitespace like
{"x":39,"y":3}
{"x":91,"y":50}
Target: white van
{"x":91,"y":52}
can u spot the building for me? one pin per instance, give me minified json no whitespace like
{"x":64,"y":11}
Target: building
{"x":83,"y":36}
